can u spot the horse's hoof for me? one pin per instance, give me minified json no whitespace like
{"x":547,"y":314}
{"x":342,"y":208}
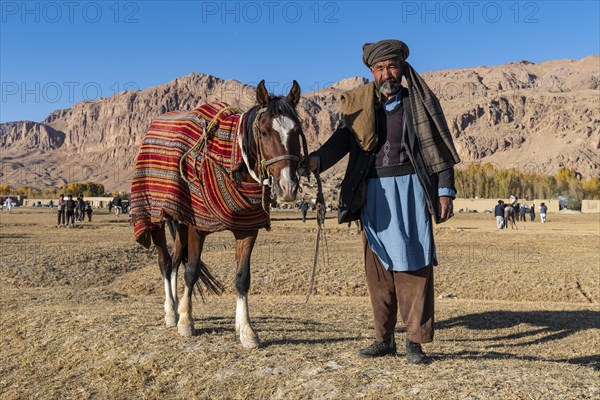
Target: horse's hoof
{"x":249,"y":338}
{"x":171,"y":321}
{"x":185,"y":330}
{"x":248,"y":343}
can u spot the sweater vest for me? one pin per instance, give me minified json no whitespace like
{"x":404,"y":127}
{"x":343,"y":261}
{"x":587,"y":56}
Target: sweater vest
{"x":391,"y":157}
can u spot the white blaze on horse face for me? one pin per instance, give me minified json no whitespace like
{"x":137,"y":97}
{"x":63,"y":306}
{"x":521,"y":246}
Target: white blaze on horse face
{"x":283,"y":125}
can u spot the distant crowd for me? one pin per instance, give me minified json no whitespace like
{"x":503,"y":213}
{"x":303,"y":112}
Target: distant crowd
{"x":507,"y":214}
{"x":71,"y":210}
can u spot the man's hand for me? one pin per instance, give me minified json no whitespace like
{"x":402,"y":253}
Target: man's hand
{"x":311,"y":164}
{"x":446,"y":209}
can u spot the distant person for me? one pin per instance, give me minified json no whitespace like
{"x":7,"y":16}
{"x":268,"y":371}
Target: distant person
{"x":62,"y":207}
{"x":499,"y":213}
{"x":532,"y":212}
{"x":303,"y":209}
{"x":89,"y":211}
{"x":71,"y":207}
{"x":118,"y":204}
{"x":110,"y":206}
{"x":81,"y":207}
{"x":9,"y":204}
{"x":543,"y":211}
{"x":522,"y":211}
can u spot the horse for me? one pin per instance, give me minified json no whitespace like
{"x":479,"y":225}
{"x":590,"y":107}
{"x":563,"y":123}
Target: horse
{"x":509,"y":214}
{"x":270,"y":139}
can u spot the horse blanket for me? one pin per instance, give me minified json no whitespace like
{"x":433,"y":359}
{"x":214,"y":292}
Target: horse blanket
{"x":186,"y":168}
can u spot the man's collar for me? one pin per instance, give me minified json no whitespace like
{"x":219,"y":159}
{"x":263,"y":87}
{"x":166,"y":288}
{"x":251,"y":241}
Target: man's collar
{"x":393,"y":102}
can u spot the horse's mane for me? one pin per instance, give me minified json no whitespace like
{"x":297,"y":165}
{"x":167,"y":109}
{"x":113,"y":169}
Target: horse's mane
{"x":281,"y":106}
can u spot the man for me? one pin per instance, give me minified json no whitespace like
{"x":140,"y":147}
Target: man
{"x":400,"y":174}
{"x":61,"y":206}
{"x":89,"y":211}
{"x":499,"y":213}
{"x":71,"y":206}
{"x":303,"y":209}
{"x":117,"y":204}
{"x":543,"y":211}
{"x":522,"y":211}
{"x":81,"y":207}
{"x":9,"y":204}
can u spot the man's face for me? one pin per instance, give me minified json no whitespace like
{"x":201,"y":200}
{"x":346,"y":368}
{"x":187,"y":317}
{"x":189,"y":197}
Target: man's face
{"x":387,"y":75}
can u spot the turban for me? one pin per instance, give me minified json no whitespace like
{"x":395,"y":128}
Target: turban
{"x":384,"y":50}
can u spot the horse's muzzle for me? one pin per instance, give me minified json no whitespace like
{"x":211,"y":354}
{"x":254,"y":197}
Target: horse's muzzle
{"x":286,"y":189}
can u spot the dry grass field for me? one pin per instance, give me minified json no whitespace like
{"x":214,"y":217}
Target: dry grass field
{"x":81,"y":314}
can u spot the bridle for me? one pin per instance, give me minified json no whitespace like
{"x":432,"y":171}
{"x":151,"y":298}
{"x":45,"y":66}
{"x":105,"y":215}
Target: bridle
{"x":264,"y":176}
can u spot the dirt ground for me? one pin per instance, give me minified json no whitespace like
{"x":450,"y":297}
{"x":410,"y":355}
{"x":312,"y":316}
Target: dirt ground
{"x":81,"y":313}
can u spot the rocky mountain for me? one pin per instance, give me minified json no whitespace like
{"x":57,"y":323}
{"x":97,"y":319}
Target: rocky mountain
{"x":537,"y":117}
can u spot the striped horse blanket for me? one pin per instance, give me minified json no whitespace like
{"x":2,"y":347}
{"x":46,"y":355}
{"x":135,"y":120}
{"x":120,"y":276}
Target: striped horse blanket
{"x":187,"y":172}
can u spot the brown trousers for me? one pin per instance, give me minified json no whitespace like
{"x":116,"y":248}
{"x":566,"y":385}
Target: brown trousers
{"x":411,"y":292}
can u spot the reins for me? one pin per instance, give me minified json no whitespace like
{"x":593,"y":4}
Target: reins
{"x":320,"y":232}
{"x":264,"y":178}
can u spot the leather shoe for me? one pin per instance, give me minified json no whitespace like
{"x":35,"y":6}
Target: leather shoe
{"x":414,"y":353}
{"x":378,"y":349}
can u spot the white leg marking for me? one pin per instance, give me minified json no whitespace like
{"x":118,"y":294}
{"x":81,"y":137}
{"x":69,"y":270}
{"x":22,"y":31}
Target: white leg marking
{"x":185,"y":326}
{"x":174,"y":288}
{"x":170,"y":316}
{"x":283,"y":125}
{"x":243,"y":327}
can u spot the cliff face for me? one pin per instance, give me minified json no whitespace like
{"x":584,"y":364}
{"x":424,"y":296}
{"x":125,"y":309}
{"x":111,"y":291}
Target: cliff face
{"x":534,"y":117}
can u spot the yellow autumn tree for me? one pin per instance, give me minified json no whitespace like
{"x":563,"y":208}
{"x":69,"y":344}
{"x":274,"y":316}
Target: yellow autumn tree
{"x":5,"y":189}
{"x":591,"y":188}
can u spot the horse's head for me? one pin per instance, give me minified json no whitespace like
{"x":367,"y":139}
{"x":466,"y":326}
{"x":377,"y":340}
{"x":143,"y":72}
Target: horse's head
{"x":278,"y":133}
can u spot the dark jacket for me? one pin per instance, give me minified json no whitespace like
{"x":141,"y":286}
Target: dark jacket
{"x":354,"y":186}
{"x":499,"y":210}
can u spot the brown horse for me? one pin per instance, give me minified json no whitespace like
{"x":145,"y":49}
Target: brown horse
{"x":271,"y":140}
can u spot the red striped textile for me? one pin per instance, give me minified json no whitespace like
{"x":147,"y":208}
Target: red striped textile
{"x":213,"y":200}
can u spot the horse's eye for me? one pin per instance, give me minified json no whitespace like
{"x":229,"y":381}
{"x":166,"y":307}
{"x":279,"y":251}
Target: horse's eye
{"x":263,"y":133}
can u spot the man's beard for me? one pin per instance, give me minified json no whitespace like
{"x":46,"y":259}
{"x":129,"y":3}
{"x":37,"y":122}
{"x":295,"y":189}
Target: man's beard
{"x":389,"y":87}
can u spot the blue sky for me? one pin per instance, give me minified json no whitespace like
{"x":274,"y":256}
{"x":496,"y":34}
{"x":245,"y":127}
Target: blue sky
{"x":55,"y":53}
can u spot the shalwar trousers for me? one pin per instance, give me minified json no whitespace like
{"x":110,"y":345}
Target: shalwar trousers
{"x":409,"y":292}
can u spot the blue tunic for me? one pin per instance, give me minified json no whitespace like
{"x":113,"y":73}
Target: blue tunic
{"x":397,"y":223}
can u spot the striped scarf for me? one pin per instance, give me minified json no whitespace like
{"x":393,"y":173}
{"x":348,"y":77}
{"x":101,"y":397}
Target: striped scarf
{"x":437,"y":147}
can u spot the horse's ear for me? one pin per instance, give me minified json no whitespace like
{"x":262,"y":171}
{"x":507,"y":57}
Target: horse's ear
{"x":294,"y":95}
{"x":262,"y":94}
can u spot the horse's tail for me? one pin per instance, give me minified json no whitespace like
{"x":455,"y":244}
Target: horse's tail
{"x":204,"y":275}
{"x":207,"y":278}
{"x":172,"y":225}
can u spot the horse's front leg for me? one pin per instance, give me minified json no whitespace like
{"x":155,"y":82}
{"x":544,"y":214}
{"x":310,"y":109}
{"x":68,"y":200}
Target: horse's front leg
{"x":243,"y":249}
{"x":185,"y":326}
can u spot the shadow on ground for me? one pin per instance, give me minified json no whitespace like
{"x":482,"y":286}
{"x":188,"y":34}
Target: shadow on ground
{"x":546,"y":326}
